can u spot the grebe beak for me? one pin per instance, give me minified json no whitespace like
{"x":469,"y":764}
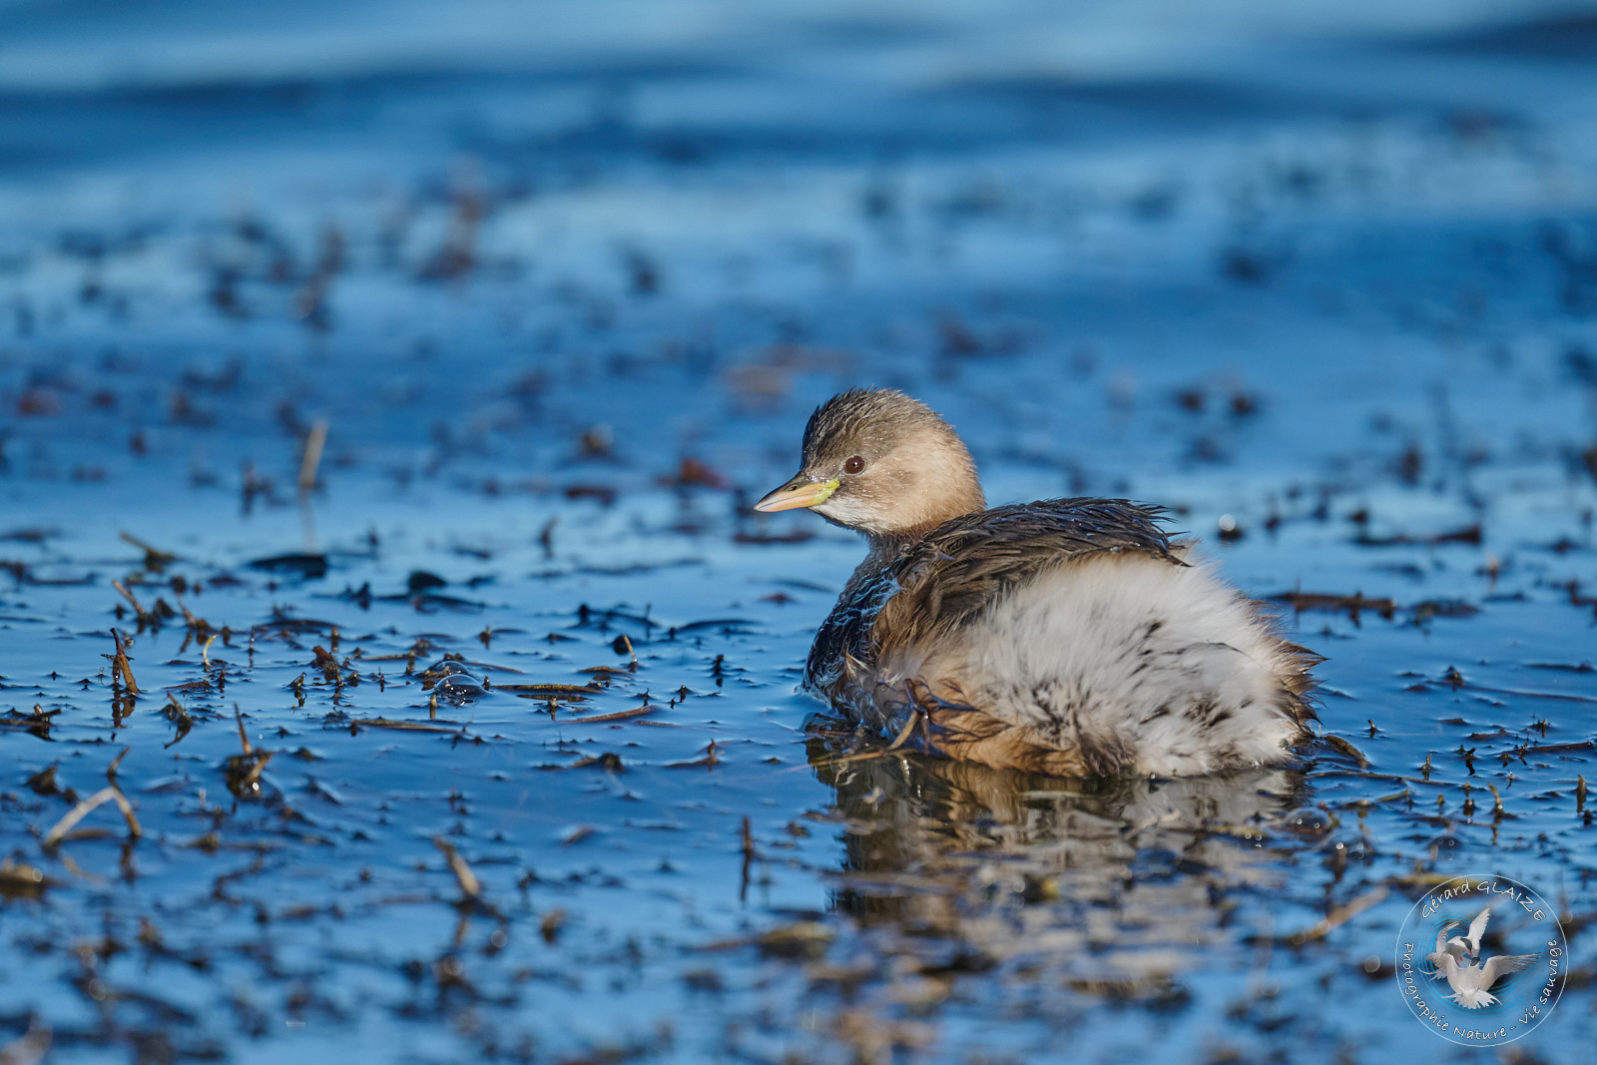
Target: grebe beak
{"x":799,"y":492}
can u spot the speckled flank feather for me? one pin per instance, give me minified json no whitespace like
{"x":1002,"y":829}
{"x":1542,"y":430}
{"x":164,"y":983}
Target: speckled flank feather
{"x":1067,"y":637}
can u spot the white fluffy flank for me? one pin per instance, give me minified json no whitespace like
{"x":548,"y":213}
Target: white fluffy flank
{"x":1166,"y":665}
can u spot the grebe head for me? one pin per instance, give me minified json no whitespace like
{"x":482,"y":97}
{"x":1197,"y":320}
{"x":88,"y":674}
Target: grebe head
{"x":878,"y":461}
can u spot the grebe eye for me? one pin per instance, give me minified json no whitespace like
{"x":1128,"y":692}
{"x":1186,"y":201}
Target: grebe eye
{"x":854,"y":465}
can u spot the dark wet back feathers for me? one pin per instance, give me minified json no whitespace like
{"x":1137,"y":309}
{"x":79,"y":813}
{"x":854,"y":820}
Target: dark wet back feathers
{"x":948,"y":578}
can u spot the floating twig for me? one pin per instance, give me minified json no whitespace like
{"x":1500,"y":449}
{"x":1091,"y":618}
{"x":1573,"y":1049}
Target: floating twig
{"x":197,"y":625}
{"x":623,"y":645}
{"x":470,"y":886}
{"x":573,"y":690}
{"x":748,"y":857}
{"x":1354,"y":604}
{"x":243,"y":771}
{"x":154,"y":558}
{"x":109,"y":793}
{"x":1340,"y":916}
{"x":619,"y":715}
{"x":180,"y":718}
{"x":120,"y":667}
{"x":1342,"y":746}
{"x":315,"y":441}
{"x":243,"y":737}
{"x":409,"y":726}
{"x":138,"y":611}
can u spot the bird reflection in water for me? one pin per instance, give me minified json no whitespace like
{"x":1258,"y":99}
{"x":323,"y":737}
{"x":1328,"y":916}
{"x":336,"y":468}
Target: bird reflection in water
{"x":1116,"y":887}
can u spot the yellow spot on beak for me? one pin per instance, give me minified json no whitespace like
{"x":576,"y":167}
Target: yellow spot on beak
{"x":794,"y":495}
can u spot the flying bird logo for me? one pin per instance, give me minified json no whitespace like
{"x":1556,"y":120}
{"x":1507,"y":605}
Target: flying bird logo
{"x":1472,"y":982}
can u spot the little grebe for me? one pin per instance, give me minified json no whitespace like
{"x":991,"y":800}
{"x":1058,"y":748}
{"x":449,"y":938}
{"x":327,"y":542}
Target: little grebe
{"x":1066,"y":636}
